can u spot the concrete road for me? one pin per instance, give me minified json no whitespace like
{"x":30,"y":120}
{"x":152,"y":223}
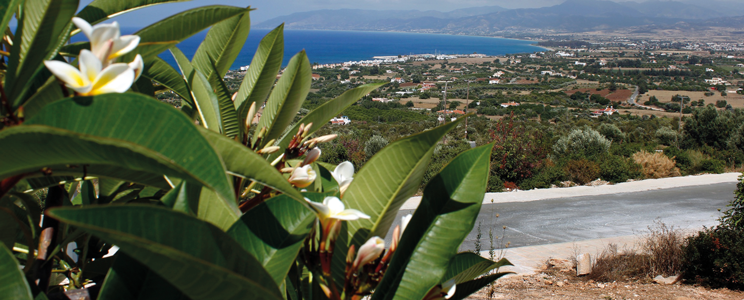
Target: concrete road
{"x":600,"y":216}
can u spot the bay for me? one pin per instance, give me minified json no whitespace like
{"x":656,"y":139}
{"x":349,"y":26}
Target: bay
{"x":325,"y":47}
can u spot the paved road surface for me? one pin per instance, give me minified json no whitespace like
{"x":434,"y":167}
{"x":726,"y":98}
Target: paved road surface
{"x":592,"y":217}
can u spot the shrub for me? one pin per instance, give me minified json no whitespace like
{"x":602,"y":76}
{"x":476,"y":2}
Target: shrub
{"x":581,"y":171}
{"x":612,"y":265}
{"x":611,"y":132}
{"x":544,"y":178}
{"x":618,"y":169}
{"x":721,"y":103}
{"x":711,"y":166}
{"x":713,"y":258}
{"x":581,"y":143}
{"x":666,"y":135}
{"x":495,"y":184}
{"x":374,"y":144}
{"x":665,"y":245}
{"x":655,"y":165}
{"x":734,"y":217}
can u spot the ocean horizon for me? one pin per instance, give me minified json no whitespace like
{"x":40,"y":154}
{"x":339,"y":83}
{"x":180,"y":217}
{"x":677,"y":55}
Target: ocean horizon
{"x":327,"y":47}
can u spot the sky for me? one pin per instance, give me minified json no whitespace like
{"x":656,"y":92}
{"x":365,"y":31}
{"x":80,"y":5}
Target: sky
{"x":268,"y":9}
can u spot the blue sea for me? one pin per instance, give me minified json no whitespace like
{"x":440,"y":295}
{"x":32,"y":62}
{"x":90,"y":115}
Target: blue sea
{"x":326,"y":47}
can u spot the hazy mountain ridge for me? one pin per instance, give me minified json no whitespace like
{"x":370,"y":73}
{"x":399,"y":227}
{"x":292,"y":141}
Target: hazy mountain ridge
{"x":570,"y":16}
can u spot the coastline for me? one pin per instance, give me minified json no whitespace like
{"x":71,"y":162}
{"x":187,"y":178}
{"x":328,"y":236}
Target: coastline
{"x":579,"y":191}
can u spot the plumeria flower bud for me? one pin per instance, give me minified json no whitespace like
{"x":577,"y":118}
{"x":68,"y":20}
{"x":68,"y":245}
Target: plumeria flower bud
{"x":302,"y":177}
{"x":249,"y":117}
{"x":449,"y":288}
{"x":269,"y":150}
{"x":106,"y":41}
{"x":286,"y":170}
{"x":322,"y":139}
{"x":306,"y":131}
{"x":277,"y":160}
{"x":343,"y":174}
{"x":311,"y":156}
{"x":333,"y":208}
{"x":368,"y":252}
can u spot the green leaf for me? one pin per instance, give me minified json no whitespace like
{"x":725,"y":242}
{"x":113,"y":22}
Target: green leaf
{"x":260,"y":77}
{"x":14,"y":284}
{"x":228,"y":115}
{"x":222,"y":45}
{"x":274,"y":232}
{"x":388,"y":179}
{"x":447,"y":213}
{"x":181,"y":249}
{"x":102,"y":10}
{"x":206,"y":101}
{"x":7,"y":10}
{"x":465,"y":289}
{"x":184,"y":197}
{"x":286,"y":98}
{"x":216,"y":211}
{"x":467,"y":266}
{"x":242,"y":161}
{"x":41,"y":31}
{"x":156,"y":69}
{"x":128,"y":279}
{"x":324,"y":113}
{"x":179,"y":27}
{"x":136,"y":120}
{"x":49,"y":92}
{"x":187,"y":71}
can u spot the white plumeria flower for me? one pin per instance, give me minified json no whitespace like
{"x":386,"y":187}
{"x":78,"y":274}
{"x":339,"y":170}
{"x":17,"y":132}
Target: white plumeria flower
{"x":137,"y":66}
{"x":404,"y":222}
{"x":368,"y":252}
{"x":302,"y":176}
{"x":106,"y":41}
{"x":449,"y":287}
{"x":92,"y":78}
{"x":344,"y":174}
{"x":333,"y":208}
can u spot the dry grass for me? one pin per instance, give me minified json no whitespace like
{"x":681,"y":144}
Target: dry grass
{"x":659,"y":254}
{"x":656,"y":165}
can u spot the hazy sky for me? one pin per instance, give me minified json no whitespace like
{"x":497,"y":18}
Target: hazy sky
{"x":267,"y":9}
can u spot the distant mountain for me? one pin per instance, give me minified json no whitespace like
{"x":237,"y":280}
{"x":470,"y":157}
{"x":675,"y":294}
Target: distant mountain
{"x":569,"y":16}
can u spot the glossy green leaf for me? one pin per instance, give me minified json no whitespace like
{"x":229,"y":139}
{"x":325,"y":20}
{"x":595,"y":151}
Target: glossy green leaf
{"x":180,"y":27}
{"x":184,"y":197}
{"x":388,"y":179}
{"x":260,"y":77}
{"x":242,"y":161}
{"x":447,"y":213}
{"x":228,"y":115}
{"x":7,"y":10}
{"x":187,"y":71}
{"x":156,"y":69}
{"x":102,"y":10}
{"x":181,"y":249}
{"x":321,"y":115}
{"x":151,"y":125}
{"x":213,"y":210}
{"x":14,"y":284}
{"x":128,"y":280}
{"x":49,"y":92}
{"x":206,"y":102}
{"x":465,"y":289}
{"x":222,"y":45}
{"x":41,"y":32}
{"x":274,"y":232}
{"x":286,"y":98}
{"x":467,"y":266}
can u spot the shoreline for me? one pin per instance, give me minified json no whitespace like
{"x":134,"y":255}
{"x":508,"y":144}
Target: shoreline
{"x":580,"y":191}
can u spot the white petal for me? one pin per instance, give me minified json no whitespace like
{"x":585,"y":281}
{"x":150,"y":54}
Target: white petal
{"x":321,"y":210}
{"x":101,"y":39}
{"x":344,"y":171}
{"x":116,"y":78}
{"x":83,"y":25}
{"x":90,"y":66}
{"x":404,"y":222}
{"x":68,"y":74}
{"x":137,"y":65}
{"x":449,"y":287}
{"x":334,"y":204}
{"x":123,"y":45}
{"x":350,"y":215}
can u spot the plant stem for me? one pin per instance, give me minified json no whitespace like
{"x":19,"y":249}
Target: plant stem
{"x":48,"y":239}
{"x":8,"y":183}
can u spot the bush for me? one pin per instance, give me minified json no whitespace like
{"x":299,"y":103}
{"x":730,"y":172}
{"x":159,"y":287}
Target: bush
{"x":618,"y":169}
{"x":655,"y":165}
{"x":711,"y":166}
{"x":581,"y":143}
{"x":495,"y":184}
{"x":611,"y":132}
{"x":374,"y":144}
{"x":734,"y":217}
{"x":544,"y":178}
{"x":721,"y":103}
{"x":713,"y":258}
{"x":582,"y":171}
{"x":666,"y":136}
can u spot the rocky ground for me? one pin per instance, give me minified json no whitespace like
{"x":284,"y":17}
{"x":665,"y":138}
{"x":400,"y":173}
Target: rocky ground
{"x":558,"y":280}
